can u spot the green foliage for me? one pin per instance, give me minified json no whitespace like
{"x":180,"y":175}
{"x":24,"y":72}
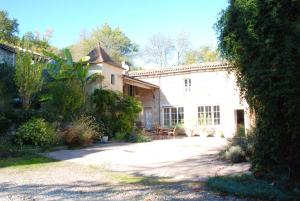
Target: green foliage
{"x":235,"y":154}
{"x":249,"y":187}
{"x":66,"y":98}
{"x":6,"y":147}
{"x":121,"y":137}
{"x":117,"y":112}
{"x":205,"y":54}
{"x":114,"y":42}
{"x":240,"y":148}
{"x":8,"y":28}
{"x":261,"y":40}
{"x":24,"y":160}
{"x":82,"y":132}
{"x":138,"y":138}
{"x":28,"y":76}
{"x":36,"y":42}
{"x":36,"y":132}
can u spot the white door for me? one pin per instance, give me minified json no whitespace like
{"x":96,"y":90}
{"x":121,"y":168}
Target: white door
{"x":148,"y":118}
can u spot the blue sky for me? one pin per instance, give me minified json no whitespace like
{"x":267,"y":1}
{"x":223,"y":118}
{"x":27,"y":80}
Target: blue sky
{"x":139,"y":19}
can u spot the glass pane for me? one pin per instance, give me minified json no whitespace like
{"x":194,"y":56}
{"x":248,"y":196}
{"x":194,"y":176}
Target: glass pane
{"x":174,"y":116}
{"x":166,"y":116}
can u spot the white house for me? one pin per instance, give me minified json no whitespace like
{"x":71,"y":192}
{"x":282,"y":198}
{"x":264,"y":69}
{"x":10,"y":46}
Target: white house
{"x":203,"y":97}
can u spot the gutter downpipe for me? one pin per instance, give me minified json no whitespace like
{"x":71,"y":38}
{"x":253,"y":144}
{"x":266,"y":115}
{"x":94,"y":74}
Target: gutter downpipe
{"x":159,"y":115}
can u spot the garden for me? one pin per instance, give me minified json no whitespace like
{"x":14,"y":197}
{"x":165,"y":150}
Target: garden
{"x":45,"y":103}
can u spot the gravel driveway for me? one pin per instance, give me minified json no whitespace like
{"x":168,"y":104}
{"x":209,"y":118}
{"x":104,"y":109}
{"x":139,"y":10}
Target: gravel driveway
{"x":180,"y":159}
{"x":77,"y":177}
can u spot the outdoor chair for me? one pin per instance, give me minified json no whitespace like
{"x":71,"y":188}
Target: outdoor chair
{"x":172,"y":131}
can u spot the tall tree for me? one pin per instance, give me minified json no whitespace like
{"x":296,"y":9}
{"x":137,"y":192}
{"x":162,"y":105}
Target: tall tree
{"x":205,"y":54}
{"x":8,"y":28}
{"x":159,"y":49}
{"x":37,"y":41}
{"x":28,"y":76}
{"x":113,"y":40}
{"x":182,"y":46}
{"x":261,"y":39}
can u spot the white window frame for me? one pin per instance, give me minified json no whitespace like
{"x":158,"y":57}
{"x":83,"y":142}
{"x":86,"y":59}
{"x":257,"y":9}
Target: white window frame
{"x":187,"y":84}
{"x":209,"y":115}
{"x":174,"y":116}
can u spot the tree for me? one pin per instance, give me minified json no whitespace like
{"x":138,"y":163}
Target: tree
{"x":159,"y":49}
{"x":261,"y":40}
{"x":113,"y":41}
{"x":182,"y":45}
{"x":8,"y":28}
{"x":37,"y":41}
{"x":205,"y":54}
{"x":191,"y":57}
{"x":28,"y":76}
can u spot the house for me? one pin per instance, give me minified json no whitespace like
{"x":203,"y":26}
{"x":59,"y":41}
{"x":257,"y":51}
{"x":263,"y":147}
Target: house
{"x":7,"y":55}
{"x":204,"y":98}
{"x":101,"y":63}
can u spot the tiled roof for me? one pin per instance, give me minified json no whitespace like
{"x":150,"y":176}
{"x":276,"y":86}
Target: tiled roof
{"x":7,"y":47}
{"x":98,"y":55}
{"x":180,"y":69}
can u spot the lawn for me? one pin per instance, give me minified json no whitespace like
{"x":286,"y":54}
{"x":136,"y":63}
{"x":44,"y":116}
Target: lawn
{"x":25,"y":160}
{"x":247,"y":186}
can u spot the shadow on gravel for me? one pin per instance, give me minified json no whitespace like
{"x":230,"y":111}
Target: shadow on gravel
{"x":102,"y":191}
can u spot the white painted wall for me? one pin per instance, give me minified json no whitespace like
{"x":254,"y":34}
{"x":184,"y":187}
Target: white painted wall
{"x":107,"y":70}
{"x":208,"y":88}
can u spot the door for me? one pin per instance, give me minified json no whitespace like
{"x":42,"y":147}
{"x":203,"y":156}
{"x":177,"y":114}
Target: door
{"x":240,"y":122}
{"x":148,"y":118}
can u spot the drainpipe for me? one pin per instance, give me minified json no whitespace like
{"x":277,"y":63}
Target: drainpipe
{"x":159,"y":117}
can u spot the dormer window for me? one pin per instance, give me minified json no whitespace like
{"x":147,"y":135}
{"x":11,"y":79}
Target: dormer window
{"x":187,"y":84}
{"x":112,"y":79}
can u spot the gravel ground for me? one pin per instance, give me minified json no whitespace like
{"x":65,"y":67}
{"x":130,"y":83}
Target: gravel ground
{"x":70,"y":181}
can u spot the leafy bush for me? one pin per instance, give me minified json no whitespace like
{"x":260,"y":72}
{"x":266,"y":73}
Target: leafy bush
{"x":263,"y":48}
{"x":249,"y":187}
{"x":36,"y":132}
{"x":66,"y":98}
{"x":239,"y":148}
{"x":117,"y":112}
{"x":6,"y":147}
{"x":138,"y":138}
{"x":5,"y":122}
{"x":121,"y":137}
{"x":81,"y":132}
{"x":235,"y":154}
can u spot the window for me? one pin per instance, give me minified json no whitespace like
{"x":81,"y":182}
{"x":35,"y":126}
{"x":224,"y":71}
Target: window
{"x":112,"y":79}
{"x":173,"y":116}
{"x":187,"y":84}
{"x":209,"y":115}
{"x":131,"y":90}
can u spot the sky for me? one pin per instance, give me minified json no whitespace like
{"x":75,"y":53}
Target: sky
{"x":138,"y":19}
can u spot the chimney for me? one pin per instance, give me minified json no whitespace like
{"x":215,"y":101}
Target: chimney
{"x":125,"y":65}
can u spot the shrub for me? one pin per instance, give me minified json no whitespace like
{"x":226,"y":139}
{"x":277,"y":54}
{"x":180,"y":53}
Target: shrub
{"x":138,"y":138}
{"x":5,"y":122}
{"x":6,"y":148}
{"x":81,"y":132}
{"x":66,"y":98}
{"x":36,"y":132}
{"x":121,"y":137}
{"x":117,"y":112}
{"x":235,"y":154}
